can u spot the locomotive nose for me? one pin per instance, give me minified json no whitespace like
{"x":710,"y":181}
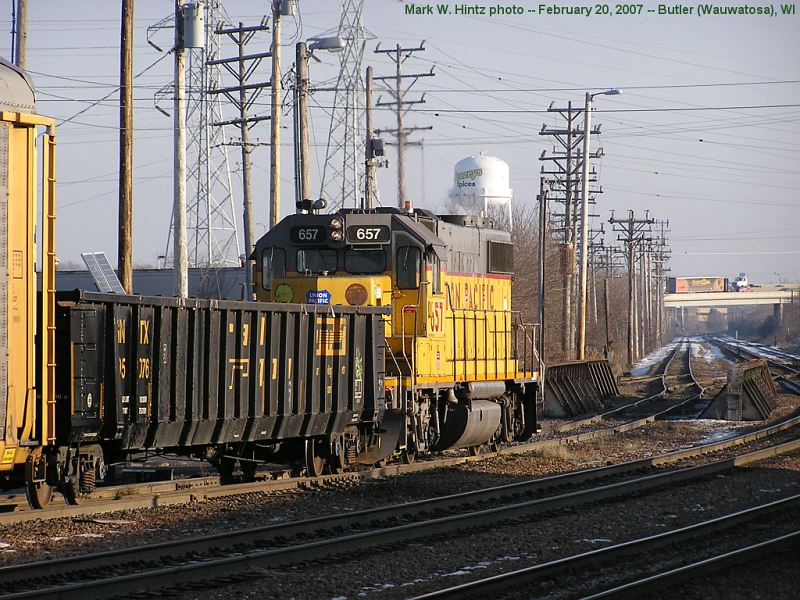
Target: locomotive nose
{"x":336,"y":290}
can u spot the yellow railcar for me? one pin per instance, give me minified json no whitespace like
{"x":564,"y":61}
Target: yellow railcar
{"x":27,"y":395}
{"x":462,"y":369}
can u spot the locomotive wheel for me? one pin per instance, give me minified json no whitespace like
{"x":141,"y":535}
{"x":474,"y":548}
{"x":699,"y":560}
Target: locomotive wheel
{"x":39,"y":493}
{"x":314,"y":462}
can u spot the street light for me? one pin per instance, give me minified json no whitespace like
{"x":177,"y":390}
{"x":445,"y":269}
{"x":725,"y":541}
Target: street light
{"x":301,"y":119}
{"x":332,"y":44}
{"x":584,"y":264}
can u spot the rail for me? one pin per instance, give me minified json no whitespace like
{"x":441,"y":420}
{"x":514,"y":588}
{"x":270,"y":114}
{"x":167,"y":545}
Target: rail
{"x":507,"y":328}
{"x":126,"y":571}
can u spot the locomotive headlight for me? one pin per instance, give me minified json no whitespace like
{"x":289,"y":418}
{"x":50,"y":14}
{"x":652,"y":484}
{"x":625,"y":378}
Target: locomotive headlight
{"x":356,"y":295}
{"x":336,"y":223}
{"x":337,"y":235}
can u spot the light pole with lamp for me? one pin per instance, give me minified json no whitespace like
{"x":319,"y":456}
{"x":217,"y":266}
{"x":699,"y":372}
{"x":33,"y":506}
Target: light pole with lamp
{"x":584,"y":259}
{"x":301,"y":119}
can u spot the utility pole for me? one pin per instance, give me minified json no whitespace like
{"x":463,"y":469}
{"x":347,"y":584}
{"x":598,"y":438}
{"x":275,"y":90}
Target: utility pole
{"x":543,"y":193}
{"x":369,"y":162}
{"x":564,"y":179}
{"x":661,"y":256}
{"x":609,"y":351}
{"x":275,"y":115}
{"x":242,"y":96}
{"x":180,"y":252}
{"x":301,"y":106}
{"x":21,"y":34}
{"x":632,"y":232}
{"x":399,"y":55}
{"x":584,"y":261}
{"x":125,"y":216}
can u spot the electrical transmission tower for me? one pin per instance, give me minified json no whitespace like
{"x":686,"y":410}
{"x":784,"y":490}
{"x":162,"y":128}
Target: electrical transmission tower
{"x":212,"y":231}
{"x":343,"y":172}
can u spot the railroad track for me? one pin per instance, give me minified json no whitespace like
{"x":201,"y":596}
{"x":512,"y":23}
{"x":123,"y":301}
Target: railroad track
{"x":210,"y":558}
{"x":643,"y":406}
{"x":670,"y":569}
{"x":782,"y":362}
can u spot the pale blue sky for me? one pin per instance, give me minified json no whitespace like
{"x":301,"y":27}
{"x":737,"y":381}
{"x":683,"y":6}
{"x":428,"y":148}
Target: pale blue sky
{"x":732,"y":199}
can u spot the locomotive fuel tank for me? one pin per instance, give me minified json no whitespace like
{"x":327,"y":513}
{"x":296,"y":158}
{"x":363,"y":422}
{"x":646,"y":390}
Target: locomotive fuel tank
{"x":469,"y":424}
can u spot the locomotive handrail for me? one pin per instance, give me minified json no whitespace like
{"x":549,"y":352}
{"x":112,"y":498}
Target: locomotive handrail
{"x":510,"y":318}
{"x":415,"y":308}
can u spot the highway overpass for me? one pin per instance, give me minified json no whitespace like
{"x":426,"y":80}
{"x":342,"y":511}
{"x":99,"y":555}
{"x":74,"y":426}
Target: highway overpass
{"x":697,"y":299}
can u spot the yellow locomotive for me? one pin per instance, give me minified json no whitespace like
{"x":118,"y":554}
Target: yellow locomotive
{"x":461,"y":367}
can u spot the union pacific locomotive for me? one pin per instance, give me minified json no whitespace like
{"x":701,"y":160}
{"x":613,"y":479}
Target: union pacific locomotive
{"x":461,"y":368}
{"x":377,"y":333}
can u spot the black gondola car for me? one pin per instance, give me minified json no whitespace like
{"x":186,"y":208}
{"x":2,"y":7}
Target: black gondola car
{"x":223,"y":380}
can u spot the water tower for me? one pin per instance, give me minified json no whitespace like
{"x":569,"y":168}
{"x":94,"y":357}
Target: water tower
{"x":480,"y":182}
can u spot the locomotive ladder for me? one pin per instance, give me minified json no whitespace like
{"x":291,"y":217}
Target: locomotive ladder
{"x":48,"y":287}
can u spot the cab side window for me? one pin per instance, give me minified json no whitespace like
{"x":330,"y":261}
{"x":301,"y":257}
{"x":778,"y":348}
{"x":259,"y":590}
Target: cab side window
{"x":273,"y":264}
{"x":436,"y":273}
{"x":407,"y":267}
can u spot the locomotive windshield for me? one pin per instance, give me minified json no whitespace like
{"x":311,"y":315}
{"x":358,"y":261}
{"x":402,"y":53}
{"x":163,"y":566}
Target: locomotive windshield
{"x":316,"y":261}
{"x":365,"y":261}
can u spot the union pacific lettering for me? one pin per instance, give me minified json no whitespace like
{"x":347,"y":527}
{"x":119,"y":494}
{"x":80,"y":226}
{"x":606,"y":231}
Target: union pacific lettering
{"x":475,"y":294}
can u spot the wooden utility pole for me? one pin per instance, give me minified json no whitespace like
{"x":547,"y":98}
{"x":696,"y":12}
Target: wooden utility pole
{"x":369,"y":162}
{"x":564,"y":179}
{"x":399,"y":55}
{"x":633,"y":232}
{"x":609,"y":351}
{"x":244,"y":132}
{"x":304,"y":153}
{"x":21,"y":33}
{"x":180,"y":249}
{"x":242,"y":96}
{"x":125,"y":216}
{"x":275,"y":116}
{"x":543,"y":193}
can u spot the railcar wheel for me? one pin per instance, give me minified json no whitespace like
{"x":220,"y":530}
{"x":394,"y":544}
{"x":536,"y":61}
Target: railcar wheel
{"x":72,"y":492}
{"x":338,"y":459}
{"x":225,"y":467}
{"x":249,"y":469}
{"x":39,"y":492}
{"x":314,"y":462}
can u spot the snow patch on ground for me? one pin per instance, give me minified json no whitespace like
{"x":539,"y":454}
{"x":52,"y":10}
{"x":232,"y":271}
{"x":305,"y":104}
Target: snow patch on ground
{"x":643,"y":367}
